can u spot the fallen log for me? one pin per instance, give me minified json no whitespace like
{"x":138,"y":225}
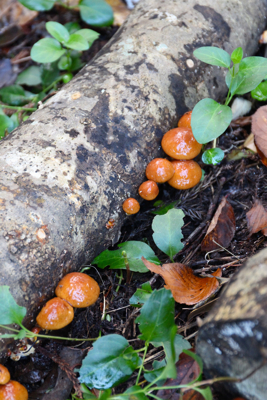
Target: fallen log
{"x":233,"y":340}
{"x":69,"y":167}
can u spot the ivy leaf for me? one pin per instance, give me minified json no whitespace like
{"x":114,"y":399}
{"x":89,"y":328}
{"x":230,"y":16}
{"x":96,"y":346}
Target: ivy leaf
{"x":111,"y":362}
{"x":47,"y":50}
{"x":135,"y":251}
{"x":213,"y":156}
{"x":30,"y":76}
{"x":167,"y":232}
{"x":209,"y":120}
{"x":77,"y":42}
{"x":40,"y":5}
{"x":58,"y":31}
{"x":157,"y":317}
{"x":237,"y":55}
{"x":96,"y":12}
{"x":10,"y":311}
{"x":213,"y":55}
{"x":141,"y":295}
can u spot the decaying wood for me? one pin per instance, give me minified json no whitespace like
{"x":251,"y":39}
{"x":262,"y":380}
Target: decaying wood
{"x":69,"y":167}
{"x":233,"y":340}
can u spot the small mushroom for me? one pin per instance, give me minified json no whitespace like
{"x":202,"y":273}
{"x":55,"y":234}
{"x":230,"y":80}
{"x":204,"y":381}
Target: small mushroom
{"x":148,"y":190}
{"x":185,"y":120}
{"x":13,"y":391}
{"x":159,"y":170}
{"x":4,"y":375}
{"x":131,"y":206}
{"x":56,"y":314}
{"x":180,"y":144}
{"x":78,"y":289}
{"x":187,"y":174}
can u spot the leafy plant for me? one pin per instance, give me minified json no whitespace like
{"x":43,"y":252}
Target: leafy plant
{"x":93,"y":12}
{"x":209,"y":118}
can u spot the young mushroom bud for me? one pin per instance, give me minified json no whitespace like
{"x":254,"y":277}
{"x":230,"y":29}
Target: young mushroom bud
{"x":78,"y":289}
{"x":159,"y":170}
{"x":148,"y":190}
{"x":131,"y":206}
{"x":4,"y":375}
{"x":56,"y":314}
{"x":180,"y":144}
{"x":187,"y":174}
{"x":185,"y":120}
{"x":13,"y":391}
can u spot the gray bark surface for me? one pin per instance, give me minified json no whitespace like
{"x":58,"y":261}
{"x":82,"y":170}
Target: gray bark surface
{"x":233,"y":340}
{"x":67,"y":170}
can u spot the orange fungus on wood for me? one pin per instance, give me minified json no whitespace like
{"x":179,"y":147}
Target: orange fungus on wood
{"x":159,"y":170}
{"x":131,"y":206}
{"x":187,"y":174}
{"x":148,"y":190}
{"x":56,"y":314}
{"x":180,"y":144}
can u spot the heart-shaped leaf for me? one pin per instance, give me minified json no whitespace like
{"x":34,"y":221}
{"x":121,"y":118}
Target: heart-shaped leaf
{"x":214,"y":56}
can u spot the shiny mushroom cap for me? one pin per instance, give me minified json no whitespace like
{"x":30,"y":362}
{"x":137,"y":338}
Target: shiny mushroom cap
{"x":131,"y":206}
{"x":78,"y":289}
{"x":56,"y":314}
{"x":180,"y":144}
{"x":13,"y":391}
{"x":148,"y":190}
{"x":187,"y":174}
{"x":4,"y":375}
{"x":159,"y":170}
{"x":185,"y":120}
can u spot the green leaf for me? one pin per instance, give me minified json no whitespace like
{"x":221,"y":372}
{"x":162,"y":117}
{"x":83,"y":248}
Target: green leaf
{"x":58,"y":31}
{"x":167,"y":232}
{"x":133,"y":394}
{"x":105,"y":394}
{"x":10,"y":311}
{"x":89,"y":35}
{"x":30,"y":76}
{"x":157,"y":317}
{"x":47,"y":50}
{"x":237,"y":55}
{"x":209,"y":120}
{"x":170,"y":369}
{"x":141,"y":295}
{"x":252,"y":70}
{"x":158,"y":367}
{"x":214,"y":56}
{"x":134,"y":250}
{"x":77,"y":42}
{"x":206,"y":392}
{"x":49,"y":73}
{"x":15,"y":95}
{"x":165,"y":208}
{"x":40,"y":5}
{"x":64,"y":63}
{"x":6,"y":124}
{"x":15,"y":119}
{"x":72,"y":27}
{"x":96,"y":12}
{"x":213,"y":156}
{"x":111,"y":362}
{"x":260,"y":92}
{"x":180,"y":344}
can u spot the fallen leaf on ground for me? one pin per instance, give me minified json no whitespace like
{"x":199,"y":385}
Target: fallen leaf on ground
{"x":257,"y":218}
{"x":186,"y":288}
{"x":259,"y":129}
{"x":187,"y":370}
{"x":221,"y":229}
{"x":250,"y":144}
{"x":120,"y":11}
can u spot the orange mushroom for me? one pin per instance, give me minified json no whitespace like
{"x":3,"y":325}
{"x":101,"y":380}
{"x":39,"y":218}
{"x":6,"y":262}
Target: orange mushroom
{"x":56,"y":314}
{"x":159,"y":170}
{"x":185,"y":120}
{"x":180,"y":144}
{"x":148,"y":190}
{"x":4,"y":375}
{"x":131,"y":206}
{"x":187,"y":174}
{"x":78,"y":289}
{"x":13,"y":391}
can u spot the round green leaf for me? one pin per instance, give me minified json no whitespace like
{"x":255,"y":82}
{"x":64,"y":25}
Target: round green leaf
{"x":77,"y":42}
{"x":213,"y":156}
{"x":89,"y":35}
{"x":237,"y":55}
{"x":96,"y":12}
{"x":260,"y":92}
{"x":58,"y":31}
{"x":30,"y":76}
{"x":209,"y":120}
{"x":214,"y":56}
{"x":38,"y":5}
{"x":47,"y":50}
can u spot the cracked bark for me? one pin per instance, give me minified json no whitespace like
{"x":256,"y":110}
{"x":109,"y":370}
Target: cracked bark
{"x":69,"y":167}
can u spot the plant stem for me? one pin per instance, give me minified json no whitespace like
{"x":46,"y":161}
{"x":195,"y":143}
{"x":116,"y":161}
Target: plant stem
{"x":9,"y":329}
{"x":120,"y":280}
{"x":142,"y":365}
{"x":52,"y":84}
{"x":18,"y":108}
{"x":126,"y":263}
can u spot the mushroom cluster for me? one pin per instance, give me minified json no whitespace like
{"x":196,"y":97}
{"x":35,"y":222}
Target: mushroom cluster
{"x":74,"y":290}
{"x":11,"y":390}
{"x":181,"y":172}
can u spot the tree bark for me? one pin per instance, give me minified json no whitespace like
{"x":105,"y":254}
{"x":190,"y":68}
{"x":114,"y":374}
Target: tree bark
{"x":233,"y":340}
{"x":67,"y":170}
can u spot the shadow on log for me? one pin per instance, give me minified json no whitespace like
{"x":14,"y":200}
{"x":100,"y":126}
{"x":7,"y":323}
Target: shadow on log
{"x":69,"y":167}
{"x":233,"y":340}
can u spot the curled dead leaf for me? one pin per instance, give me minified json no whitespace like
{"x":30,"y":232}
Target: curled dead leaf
{"x":221,"y":229}
{"x":250,"y":144}
{"x":259,"y":129}
{"x":257,"y":218}
{"x":186,"y":288}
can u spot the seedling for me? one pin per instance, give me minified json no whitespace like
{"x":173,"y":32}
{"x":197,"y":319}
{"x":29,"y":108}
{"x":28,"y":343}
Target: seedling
{"x":209,"y":118}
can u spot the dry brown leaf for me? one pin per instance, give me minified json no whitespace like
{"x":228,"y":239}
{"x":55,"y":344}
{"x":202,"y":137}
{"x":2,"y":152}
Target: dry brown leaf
{"x":221,"y":229}
{"x":120,"y":11}
{"x":259,"y":129}
{"x":187,"y":370}
{"x":250,"y":144}
{"x":257,"y":218}
{"x":186,"y":288}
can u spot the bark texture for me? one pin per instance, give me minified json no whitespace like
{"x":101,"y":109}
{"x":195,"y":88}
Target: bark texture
{"x":233,"y":340}
{"x":69,"y":167}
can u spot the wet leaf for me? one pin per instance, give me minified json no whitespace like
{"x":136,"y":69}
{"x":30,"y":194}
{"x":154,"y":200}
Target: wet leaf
{"x":259,"y":128}
{"x":221,"y":229}
{"x":257,"y":218}
{"x":186,"y":288}
{"x":213,"y":156}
